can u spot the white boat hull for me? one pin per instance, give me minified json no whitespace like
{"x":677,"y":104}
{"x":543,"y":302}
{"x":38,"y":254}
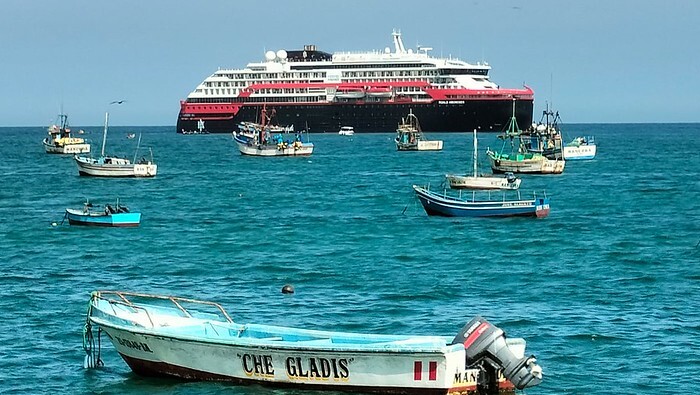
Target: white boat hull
{"x":71,"y":149}
{"x":150,"y":354}
{"x":248,"y":148}
{"x":580,"y":152}
{"x":536,"y":165}
{"x":96,"y":168}
{"x":422,"y":145}
{"x":471,"y":182}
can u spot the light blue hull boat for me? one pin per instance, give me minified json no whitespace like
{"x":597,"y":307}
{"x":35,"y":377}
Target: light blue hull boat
{"x":110,"y":216}
{"x":197,"y":340}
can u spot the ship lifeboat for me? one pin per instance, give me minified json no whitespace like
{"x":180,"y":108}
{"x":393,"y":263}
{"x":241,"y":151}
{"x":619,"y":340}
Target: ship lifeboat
{"x":380,"y":92}
{"x":350,"y":93}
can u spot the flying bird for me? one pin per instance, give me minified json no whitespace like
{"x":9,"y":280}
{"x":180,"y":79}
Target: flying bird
{"x":118,"y":102}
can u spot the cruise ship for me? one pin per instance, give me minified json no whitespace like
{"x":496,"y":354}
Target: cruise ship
{"x":370,"y":91}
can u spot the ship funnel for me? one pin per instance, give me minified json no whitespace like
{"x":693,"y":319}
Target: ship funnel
{"x":486,"y":343}
{"x":398,"y":43}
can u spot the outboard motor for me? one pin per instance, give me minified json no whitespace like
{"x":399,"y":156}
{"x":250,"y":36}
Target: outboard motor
{"x":484,"y":342}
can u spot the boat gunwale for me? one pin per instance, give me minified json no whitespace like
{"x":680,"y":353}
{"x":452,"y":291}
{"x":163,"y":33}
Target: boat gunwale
{"x":384,"y":343}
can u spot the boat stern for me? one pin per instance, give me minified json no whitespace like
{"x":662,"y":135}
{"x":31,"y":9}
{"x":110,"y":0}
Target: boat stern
{"x":541,"y":207}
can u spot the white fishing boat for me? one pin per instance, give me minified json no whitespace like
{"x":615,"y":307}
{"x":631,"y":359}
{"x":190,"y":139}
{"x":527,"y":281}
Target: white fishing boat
{"x":409,"y":136}
{"x":263,"y":139}
{"x":480,"y":181}
{"x":346,"y":131}
{"x":113,"y":166}
{"x":197,"y":340}
{"x":580,"y":148}
{"x":60,"y":141}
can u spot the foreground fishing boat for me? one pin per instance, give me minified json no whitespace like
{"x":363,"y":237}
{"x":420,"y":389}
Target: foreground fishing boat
{"x":480,"y":181}
{"x":409,"y":136}
{"x":197,"y":340}
{"x":60,"y":141}
{"x":113,"y":166}
{"x":473,"y":205}
{"x":116,"y":215}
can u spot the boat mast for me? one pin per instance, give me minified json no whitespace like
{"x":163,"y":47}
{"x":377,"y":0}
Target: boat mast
{"x":104,"y":134}
{"x":261,"y":139}
{"x":475,"y":154}
{"x":136,"y":153}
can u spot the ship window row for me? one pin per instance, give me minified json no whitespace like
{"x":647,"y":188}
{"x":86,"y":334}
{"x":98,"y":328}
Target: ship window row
{"x":228,"y":100}
{"x":260,"y":76}
{"x":402,"y":73}
{"x":464,"y":71}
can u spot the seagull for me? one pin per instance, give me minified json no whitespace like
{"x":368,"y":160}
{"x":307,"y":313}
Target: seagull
{"x":118,"y":102}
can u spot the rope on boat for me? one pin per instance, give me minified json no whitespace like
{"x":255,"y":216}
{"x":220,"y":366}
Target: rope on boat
{"x":64,"y":217}
{"x":92,"y":348}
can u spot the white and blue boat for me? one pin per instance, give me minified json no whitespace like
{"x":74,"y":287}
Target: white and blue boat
{"x":580,"y":148}
{"x":472,"y":204}
{"x":113,"y":166}
{"x":116,"y":215}
{"x":166,"y":336}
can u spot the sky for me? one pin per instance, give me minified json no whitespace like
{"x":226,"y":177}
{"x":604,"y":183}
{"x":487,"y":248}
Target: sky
{"x":595,"y":61}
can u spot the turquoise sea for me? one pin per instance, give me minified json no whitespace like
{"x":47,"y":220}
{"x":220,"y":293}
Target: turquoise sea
{"x":606,"y":290}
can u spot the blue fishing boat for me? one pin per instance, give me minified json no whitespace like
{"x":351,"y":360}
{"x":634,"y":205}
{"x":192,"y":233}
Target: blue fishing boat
{"x":116,"y":215}
{"x":168,"y":336}
{"x":472,"y":204}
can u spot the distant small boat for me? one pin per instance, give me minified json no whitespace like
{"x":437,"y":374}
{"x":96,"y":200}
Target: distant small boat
{"x":168,"y":336}
{"x":346,"y":131}
{"x":580,"y":148}
{"x":131,"y":135}
{"x":116,"y":215}
{"x":467,"y":205}
{"x":476,"y":181}
{"x":112,"y":166}
{"x":409,"y":136}
{"x":60,"y":141}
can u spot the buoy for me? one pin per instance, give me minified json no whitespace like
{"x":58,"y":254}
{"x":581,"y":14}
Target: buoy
{"x":54,"y":224}
{"x":287,"y":289}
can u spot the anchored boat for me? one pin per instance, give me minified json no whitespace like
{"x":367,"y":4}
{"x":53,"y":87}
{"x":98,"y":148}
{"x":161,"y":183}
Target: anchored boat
{"x":519,"y":159}
{"x":409,"y":136}
{"x":59,"y":140}
{"x":477,"y":181}
{"x":263,"y":139}
{"x":113,"y":166}
{"x":473,"y":205}
{"x":116,"y":215}
{"x":197,"y":340}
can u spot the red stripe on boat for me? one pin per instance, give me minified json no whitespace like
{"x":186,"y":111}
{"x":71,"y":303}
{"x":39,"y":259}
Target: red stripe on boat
{"x":417,"y":370}
{"x":475,"y":334}
{"x":432,"y":371}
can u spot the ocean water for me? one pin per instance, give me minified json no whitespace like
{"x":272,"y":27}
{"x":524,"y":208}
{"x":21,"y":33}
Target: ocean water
{"x":606,"y":290}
